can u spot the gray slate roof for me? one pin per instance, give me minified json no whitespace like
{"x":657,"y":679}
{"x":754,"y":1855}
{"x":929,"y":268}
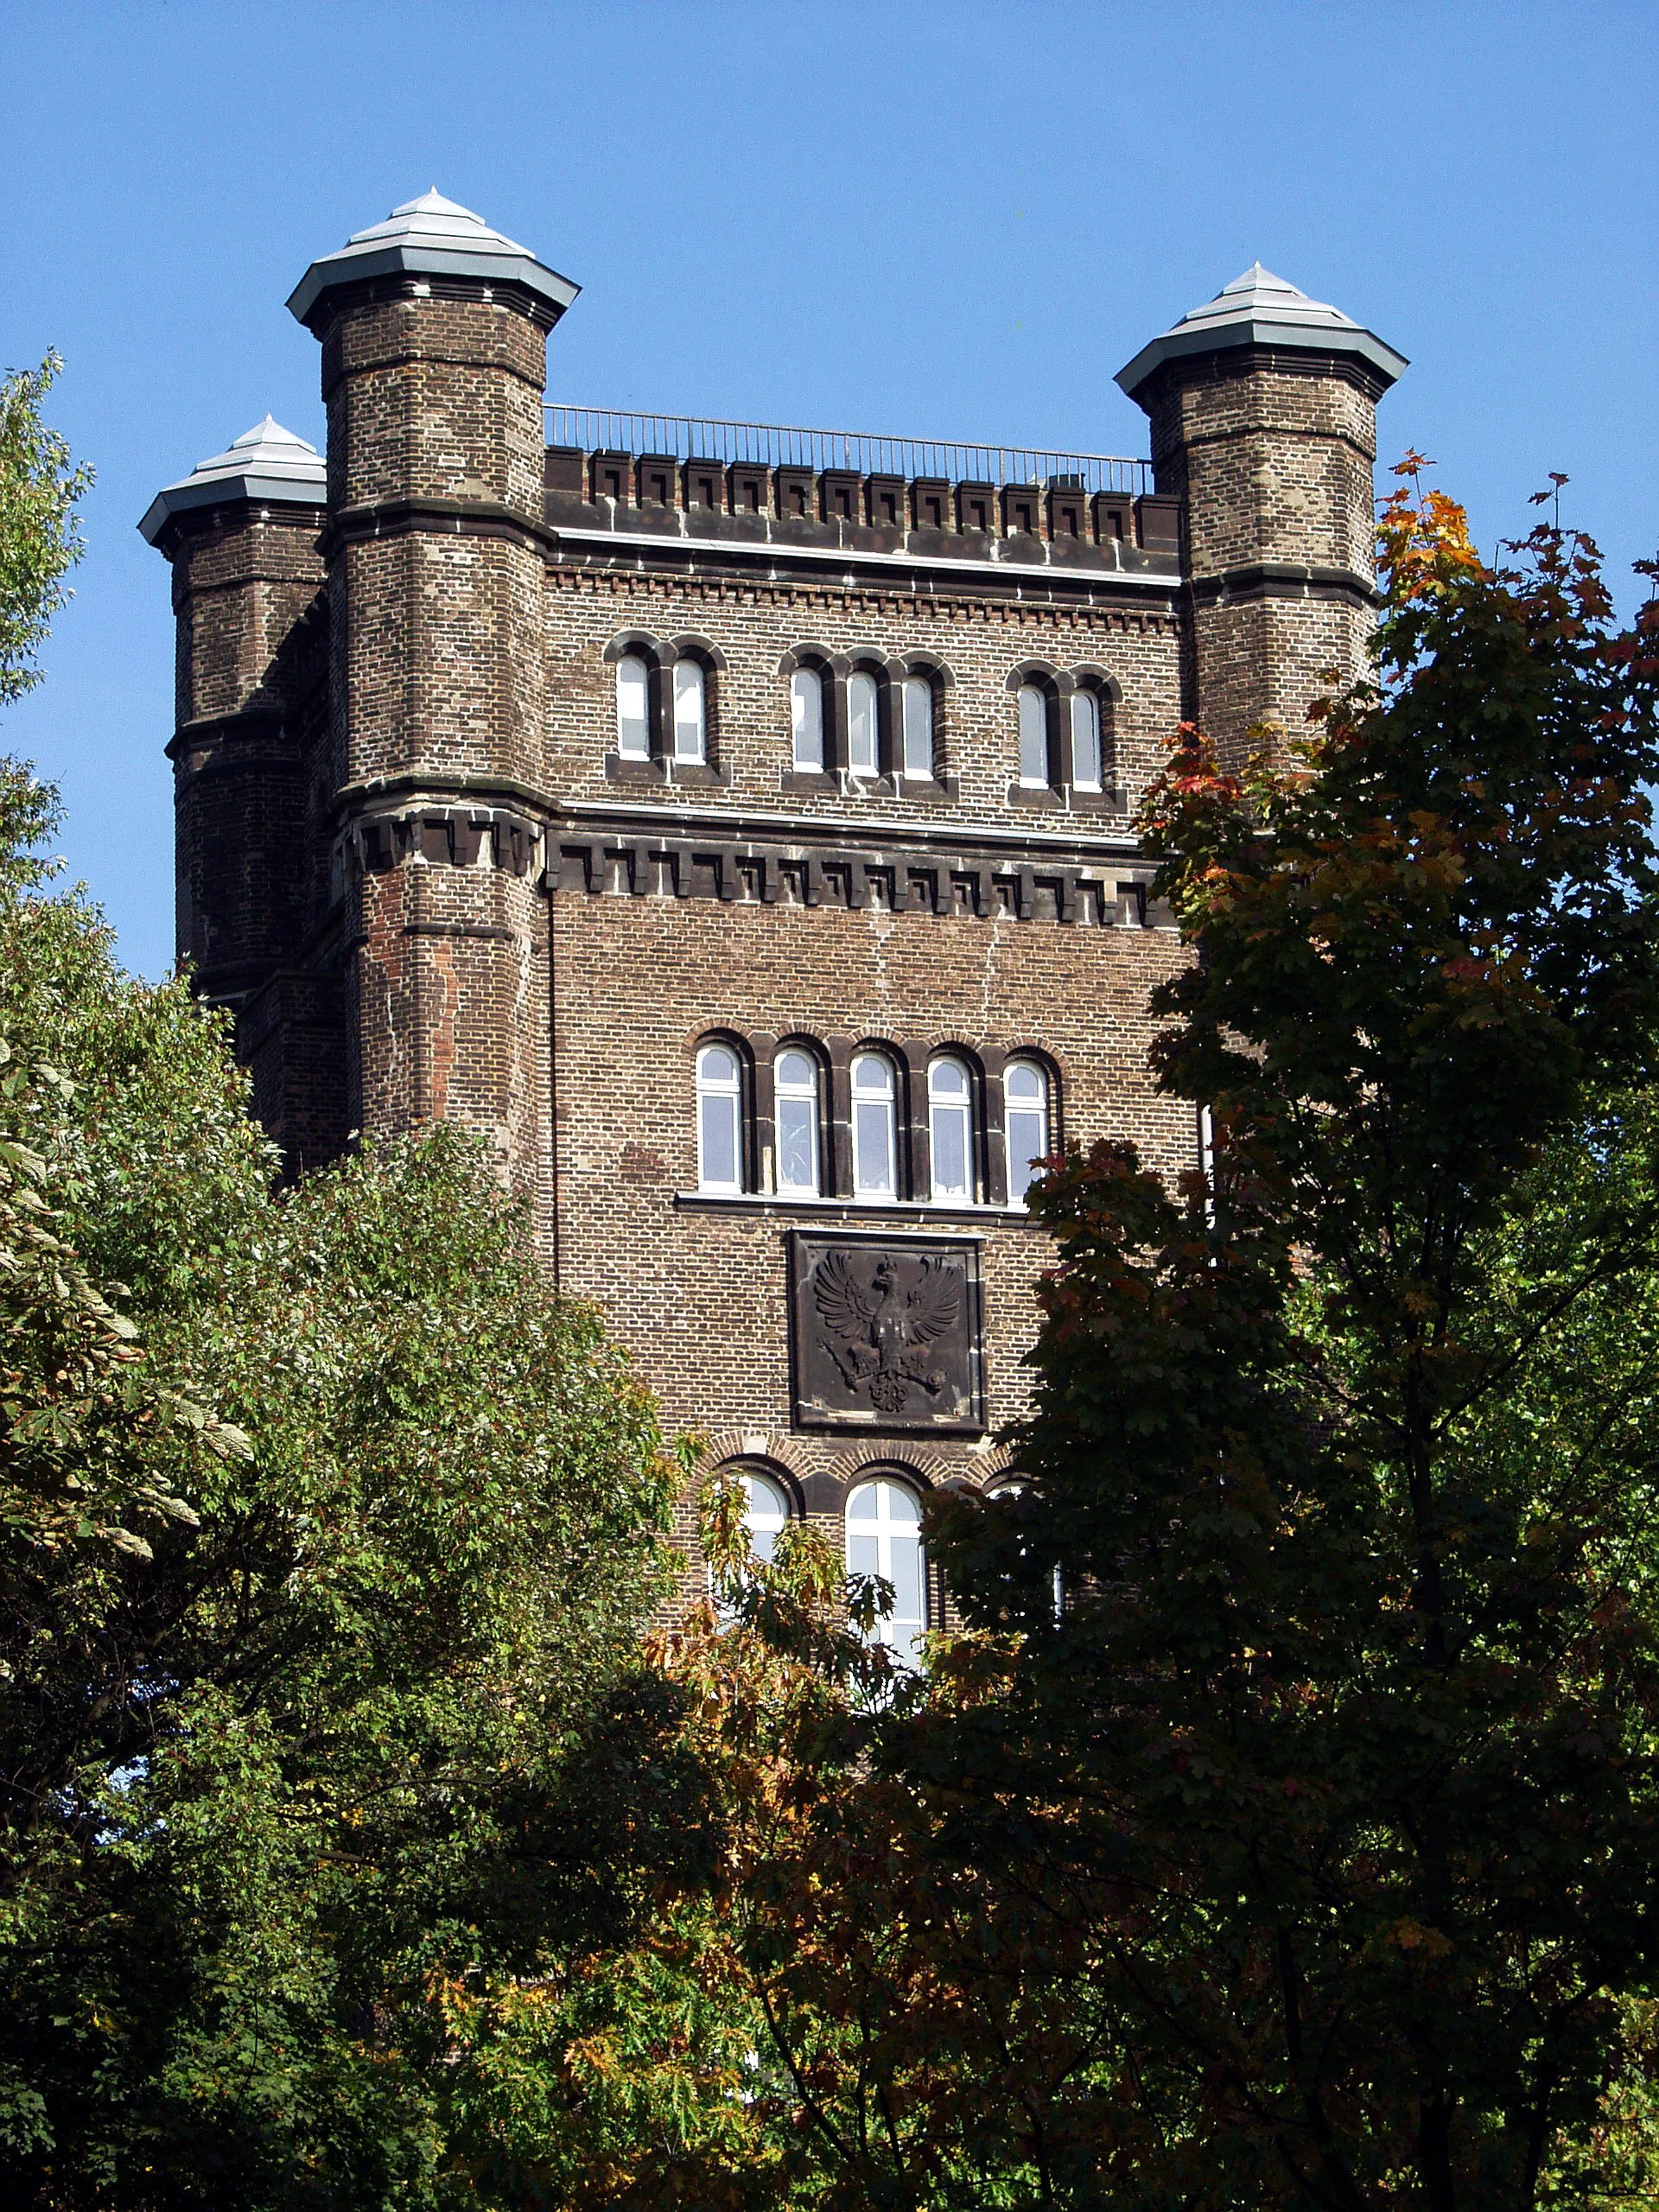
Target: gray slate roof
{"x":1259,"y":309}
{"x":432,"y":237}
{"x":266,"y":464}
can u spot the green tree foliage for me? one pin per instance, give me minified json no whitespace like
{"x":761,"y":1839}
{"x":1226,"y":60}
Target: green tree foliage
{"x":40,"y":532}
{"x":1306,"y":1857}
{"x":329,"y":1541}
{"x":1336,"y":1771}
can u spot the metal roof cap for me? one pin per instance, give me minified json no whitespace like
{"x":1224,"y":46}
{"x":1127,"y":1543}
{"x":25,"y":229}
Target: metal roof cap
{"x":432,"y":237}
{"x":1259,"y":309}
{"x":267,"y":463}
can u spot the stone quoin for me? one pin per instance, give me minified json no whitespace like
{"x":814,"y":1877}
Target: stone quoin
{"x":735,"y":824}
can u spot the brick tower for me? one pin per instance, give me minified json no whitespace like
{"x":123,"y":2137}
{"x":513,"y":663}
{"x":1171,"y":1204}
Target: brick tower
{"x":737,"y":824}
{"x":434,"y":333}
{"x":1263,"y":408}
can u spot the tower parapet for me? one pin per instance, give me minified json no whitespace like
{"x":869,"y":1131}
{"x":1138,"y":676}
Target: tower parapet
{"x":1263,"y":409}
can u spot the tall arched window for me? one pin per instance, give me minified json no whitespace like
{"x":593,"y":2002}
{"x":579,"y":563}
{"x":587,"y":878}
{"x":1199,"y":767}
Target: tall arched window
{"x":1033,"y":735}
{"x":806,"y":717}
{"x":863,"y":744}
{"x":951,"y":1129}
{"x":766,"y":1514}
{"x":884,"y":1537}
{"x":875,"y":1162}
{"x":919,"y":727}
{"x":690,"y":730}
{"x":720,"y":1120}
{"x":795,"y":1087}
{"x":633,"y":708}
{"x":1085,"y":740}
{"x":1025,"y":1118}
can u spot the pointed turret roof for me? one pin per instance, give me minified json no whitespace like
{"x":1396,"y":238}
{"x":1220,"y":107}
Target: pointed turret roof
{"x":267,"y":463}
{"x":1259,"y":309}
{"x":432,"y":237}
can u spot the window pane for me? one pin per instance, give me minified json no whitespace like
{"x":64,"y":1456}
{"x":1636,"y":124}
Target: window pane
{"x":718,"y":1164}
{"x":950,"y":1149}
{"x":767,"y":1516}
{"x":716,"y":1065}
{"x":873,"y":1147}
{"x":687,"y":710}
{"x":861,"y":753}
{"x":1024,"y":1089}
{"x":633,"y":728}
{"x":918,"y":726}
{"x":806,"y":717}
{"x":1033,"y":735}
{"x":871,"y":1072}
{"x":950,"y":1129}
{"x":797,"y":1144}
{"x":884,"y":1538}
{"x":906,"y":1575}
{"x":1085,"y":740}
{"x":796,"y":1071}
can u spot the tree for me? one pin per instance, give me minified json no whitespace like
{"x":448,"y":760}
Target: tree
{"x":329,"y":1536}
{"x":40,"y":532}
{"x":1305,"y":1856}
{"x":1337,"y":1768}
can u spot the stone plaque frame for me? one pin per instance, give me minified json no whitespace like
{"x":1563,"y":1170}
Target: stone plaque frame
{"x":886,"y":1332}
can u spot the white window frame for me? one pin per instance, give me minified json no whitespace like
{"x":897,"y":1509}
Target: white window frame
{"x":802,"y":1091}
{"x":888,"y":1099}
{"x":869,"y":1513}
{"x":1014,"y":1109}
{"x":1085,"y":707}
{"x":633,"y":741}
{"x":945,"y":1104}
{"x":862,"y":686}
{"x":725,"y":1094}
{"x":1032,"y":707}
{"x":917,"y":715}
{"x":691,"y":701}
{"x":806,"y":720}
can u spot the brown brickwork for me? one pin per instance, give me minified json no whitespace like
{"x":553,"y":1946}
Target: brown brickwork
{"x":413,"y":858}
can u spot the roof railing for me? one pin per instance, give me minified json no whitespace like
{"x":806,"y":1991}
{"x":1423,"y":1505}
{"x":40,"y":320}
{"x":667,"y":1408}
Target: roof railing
{"x":863,"y":452}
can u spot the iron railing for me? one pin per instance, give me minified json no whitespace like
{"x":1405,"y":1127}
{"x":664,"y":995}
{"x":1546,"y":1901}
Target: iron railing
{"x":780,"y":445}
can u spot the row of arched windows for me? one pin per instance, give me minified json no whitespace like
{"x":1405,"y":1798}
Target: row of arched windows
{"x":870,"y":718}
{"x":884,"y":1537}
{"x":958,"y":1109}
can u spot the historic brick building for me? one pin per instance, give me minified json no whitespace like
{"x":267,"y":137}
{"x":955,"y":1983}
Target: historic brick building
{"x":735,"y":823}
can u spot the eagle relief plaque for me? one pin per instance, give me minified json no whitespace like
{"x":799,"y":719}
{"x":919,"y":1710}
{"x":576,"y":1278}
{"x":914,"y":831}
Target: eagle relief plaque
{"x":885,"y":1333}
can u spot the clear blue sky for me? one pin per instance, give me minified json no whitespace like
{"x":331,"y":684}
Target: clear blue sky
{"x":952,"y":219}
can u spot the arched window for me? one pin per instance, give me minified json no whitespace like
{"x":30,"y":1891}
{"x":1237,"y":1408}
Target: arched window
{"x":875,"y":1163}
{"x":919,"y":728}
{"x":806,"y":717}
{"x":720,"y":1120}
{"x":795,"y":1086}
{"x":1085,"y":740}
{"x":690,"y":729}
{"x":1025,"y":1115}
{"x":633,"y":708}
{"x":766,"y":1514}
{"x":884,"y":1537}
{"x":951,"y":1129}
{"x":863,"y":748}
{"x":1033,"y":735}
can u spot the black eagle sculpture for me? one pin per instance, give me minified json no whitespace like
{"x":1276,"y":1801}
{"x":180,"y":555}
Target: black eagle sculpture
{"x":882,"y":1330}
